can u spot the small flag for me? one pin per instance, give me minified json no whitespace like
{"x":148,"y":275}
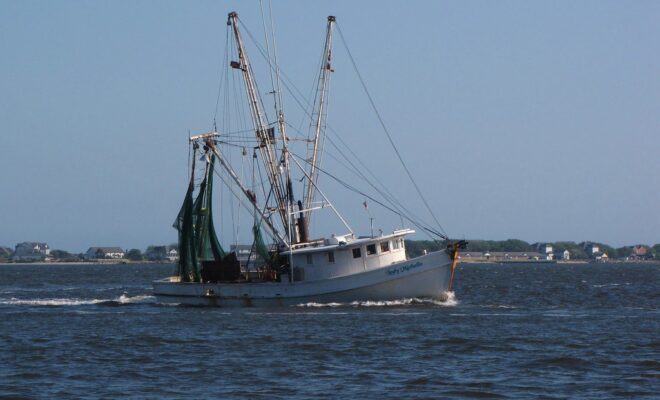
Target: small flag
{"x":365,"y":204}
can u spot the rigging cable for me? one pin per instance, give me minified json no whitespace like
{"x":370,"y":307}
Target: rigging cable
{"x":390,"y":197}
{"x":400,"y":210}
{"x":217,"y":100}
{"x":389,"y":137}
{"x":276,"y":98}
{"x":358,"y":191}
{"x":278,"y":89}
{"x":291,"y":87}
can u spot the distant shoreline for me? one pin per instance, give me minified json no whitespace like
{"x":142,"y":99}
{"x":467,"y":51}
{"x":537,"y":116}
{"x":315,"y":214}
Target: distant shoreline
{"x":109,"y":262}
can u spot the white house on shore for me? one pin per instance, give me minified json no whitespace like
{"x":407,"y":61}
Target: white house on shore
{"x":545,"y":249}
{"x":173,"y":255}
{"x":162,"y":253}
{"x":594,"y":252}
{"x":95,"y":253}
{"x":31,"y":251}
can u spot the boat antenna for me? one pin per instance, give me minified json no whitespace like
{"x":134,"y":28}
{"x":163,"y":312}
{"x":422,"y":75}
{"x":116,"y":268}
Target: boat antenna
{"x":387,"y":133}
{"x":371,"y":217}
{"x":274,"y":71}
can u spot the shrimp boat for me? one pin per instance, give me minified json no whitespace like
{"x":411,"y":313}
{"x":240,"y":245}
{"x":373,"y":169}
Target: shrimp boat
{"x":285,"y":264}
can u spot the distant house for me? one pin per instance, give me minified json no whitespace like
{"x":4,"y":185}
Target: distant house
{"x":545,"y":249}
{"x":640,"y":252}
{"x":162,"y":253}
{"x":31,"y":251}
{"x":173,"y":255}
{"x":566,"y":256}
{"x":95,"y":253}
{"x":5,"y":253}
{"x":592,"y":250}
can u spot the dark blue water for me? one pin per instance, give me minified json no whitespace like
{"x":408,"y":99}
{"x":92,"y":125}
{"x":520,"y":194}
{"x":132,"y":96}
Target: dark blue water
{"x":513,"y":331}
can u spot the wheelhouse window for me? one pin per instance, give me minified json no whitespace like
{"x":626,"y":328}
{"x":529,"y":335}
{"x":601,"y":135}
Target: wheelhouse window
{"x":309,"y":258}
{"x":357,"y":253}
{"x":384,"y":247}
{"x":396,"y":244}
{"x":331,"y":256}
{"x":371,"y":249}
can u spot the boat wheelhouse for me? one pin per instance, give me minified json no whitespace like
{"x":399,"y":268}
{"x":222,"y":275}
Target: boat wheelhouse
{"x":347,"y":255}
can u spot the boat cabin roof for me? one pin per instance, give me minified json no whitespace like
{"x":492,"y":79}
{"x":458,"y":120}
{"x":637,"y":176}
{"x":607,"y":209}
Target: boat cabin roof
{"x":346,"y":241}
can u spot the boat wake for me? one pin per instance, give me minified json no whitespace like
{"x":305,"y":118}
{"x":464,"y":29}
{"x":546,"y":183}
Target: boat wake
{"x":448,"y":299}
{"x":124,"y":299}
{"x":50,"y":302}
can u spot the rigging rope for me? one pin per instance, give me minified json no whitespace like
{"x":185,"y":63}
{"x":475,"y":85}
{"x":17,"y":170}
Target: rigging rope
{"x":391,"y":198}
{"x":225,"y":62}
{"x":358,"y":191}
{"x":395,"y":205}
{"x":389,"y":137}
{"x":291,"y":87}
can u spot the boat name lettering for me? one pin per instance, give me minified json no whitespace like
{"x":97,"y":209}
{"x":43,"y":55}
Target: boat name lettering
{"x":403,"y":268}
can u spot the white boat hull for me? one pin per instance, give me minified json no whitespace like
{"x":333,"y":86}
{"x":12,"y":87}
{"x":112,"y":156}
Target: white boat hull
{"x":427,"y":276}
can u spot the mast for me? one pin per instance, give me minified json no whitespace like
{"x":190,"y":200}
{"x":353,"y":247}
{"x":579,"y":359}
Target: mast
{"x":275,"y":167}
{"x":324,"y":81}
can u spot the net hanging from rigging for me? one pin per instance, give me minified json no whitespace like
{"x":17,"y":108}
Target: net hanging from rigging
{"x":198,"y":241}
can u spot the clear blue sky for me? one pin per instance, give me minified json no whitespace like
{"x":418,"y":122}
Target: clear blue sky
{"x":530,"y":120}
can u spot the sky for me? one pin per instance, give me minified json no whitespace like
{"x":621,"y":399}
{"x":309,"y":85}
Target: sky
{"x":519,"y":119}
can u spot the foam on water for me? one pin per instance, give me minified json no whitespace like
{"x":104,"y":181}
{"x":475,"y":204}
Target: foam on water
{"x":51,"y":302}
{"x":145,"y":298}
{"x":448,"y":299}
{"x":320,"y":305}
{"x":123,"y":299}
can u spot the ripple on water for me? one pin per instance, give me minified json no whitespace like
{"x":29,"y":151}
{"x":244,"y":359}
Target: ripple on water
{"x":561,"y":362}
{"x":103,"y":333}
{"x":473,"y":394}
